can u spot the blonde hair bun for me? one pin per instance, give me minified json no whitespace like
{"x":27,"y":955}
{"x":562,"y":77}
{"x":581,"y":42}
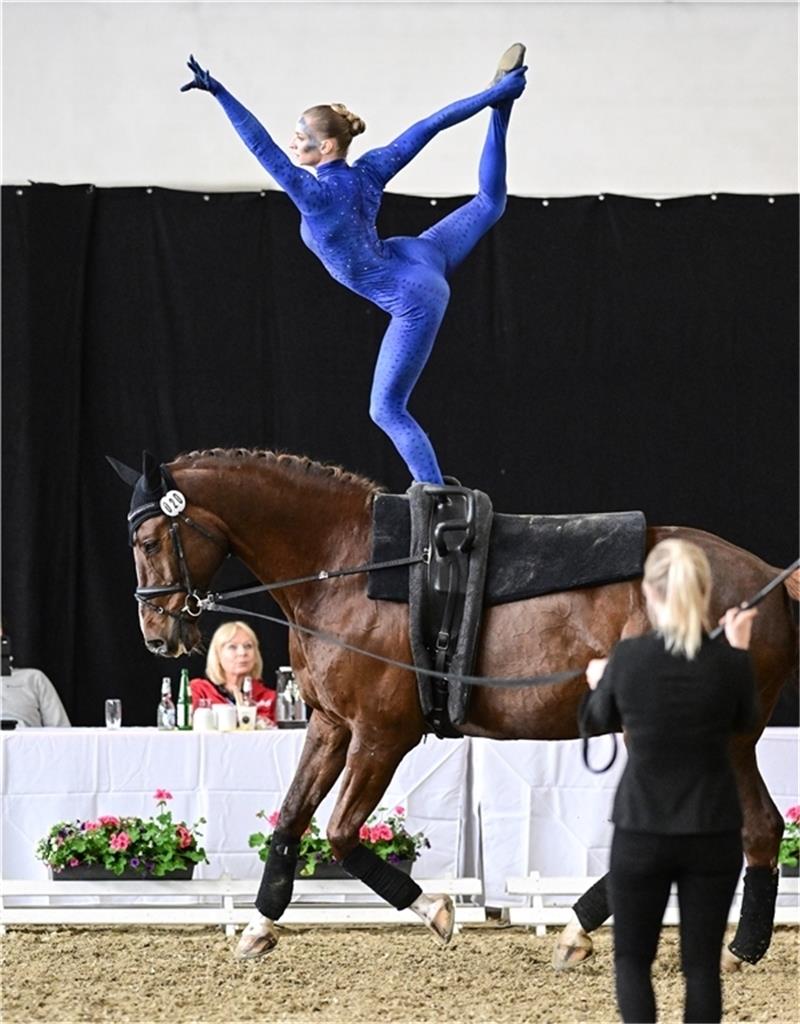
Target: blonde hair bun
{"x":357,"y":126}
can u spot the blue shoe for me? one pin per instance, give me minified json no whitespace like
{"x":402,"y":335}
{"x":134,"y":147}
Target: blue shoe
{"x":512,"y":59}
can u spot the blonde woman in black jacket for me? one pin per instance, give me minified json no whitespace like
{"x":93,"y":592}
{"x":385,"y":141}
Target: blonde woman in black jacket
{"x":679,"y":697}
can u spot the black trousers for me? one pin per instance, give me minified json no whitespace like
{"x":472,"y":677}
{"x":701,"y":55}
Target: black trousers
{"x":643,"y":867}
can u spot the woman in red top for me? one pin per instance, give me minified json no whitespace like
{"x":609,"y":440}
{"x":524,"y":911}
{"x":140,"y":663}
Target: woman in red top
{"x":233,"y":654}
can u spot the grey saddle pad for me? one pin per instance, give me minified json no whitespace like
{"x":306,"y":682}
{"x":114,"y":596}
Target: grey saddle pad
{"x":528,"y":555}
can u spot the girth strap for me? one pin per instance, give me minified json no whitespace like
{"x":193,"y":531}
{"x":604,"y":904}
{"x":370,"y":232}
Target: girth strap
{"x":446,"y":595}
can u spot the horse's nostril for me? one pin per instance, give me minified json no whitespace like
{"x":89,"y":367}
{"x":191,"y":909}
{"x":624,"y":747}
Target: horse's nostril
{"x":156,"y":645}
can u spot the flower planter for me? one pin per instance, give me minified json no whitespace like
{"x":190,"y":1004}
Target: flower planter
{"x":790,"y":870}
{"x":96,"y":873}
{"x":334,"y":870}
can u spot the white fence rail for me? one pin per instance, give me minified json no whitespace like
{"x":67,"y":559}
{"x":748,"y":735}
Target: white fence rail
{"x":214,"y":902}
{"x":551,"y":901}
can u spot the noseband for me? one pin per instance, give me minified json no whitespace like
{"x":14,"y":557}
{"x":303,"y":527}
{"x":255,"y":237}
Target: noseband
{"x":193,"y":605}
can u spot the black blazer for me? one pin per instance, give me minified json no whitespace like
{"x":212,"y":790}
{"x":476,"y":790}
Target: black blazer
{"x":678,"y":716}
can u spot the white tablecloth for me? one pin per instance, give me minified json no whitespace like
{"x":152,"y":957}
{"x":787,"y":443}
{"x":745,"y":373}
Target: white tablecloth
{"x":51,"y":775}
{"x":492,"y":808}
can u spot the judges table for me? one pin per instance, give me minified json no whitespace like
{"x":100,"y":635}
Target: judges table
{"x":492,"y":809}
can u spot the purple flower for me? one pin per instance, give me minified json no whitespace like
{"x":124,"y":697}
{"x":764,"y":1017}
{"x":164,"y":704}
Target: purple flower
{"x":135,"y":862}
{"x":393,"y":858}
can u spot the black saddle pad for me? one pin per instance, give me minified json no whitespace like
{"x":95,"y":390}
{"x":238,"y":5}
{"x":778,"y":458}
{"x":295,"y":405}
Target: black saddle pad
{"x":528,"y":555}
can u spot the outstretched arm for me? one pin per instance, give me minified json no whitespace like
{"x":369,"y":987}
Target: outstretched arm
{"x":301,"y":186}
{"x":386,"y":161}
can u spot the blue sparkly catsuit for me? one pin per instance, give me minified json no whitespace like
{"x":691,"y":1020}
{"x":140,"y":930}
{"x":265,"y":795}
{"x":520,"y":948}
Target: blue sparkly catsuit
{"x":405,"y":276}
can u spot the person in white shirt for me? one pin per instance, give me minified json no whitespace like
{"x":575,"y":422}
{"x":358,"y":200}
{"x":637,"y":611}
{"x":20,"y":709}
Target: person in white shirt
{"x":28,"y":697}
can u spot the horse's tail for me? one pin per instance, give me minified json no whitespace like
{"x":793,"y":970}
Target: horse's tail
{"x":792,"y":584}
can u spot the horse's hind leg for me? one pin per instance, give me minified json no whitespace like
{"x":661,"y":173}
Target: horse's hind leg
{"x":369,"y":770}
{"x":320,"y":764}
{"x":761,"y":836}
{"x":574,"y":945}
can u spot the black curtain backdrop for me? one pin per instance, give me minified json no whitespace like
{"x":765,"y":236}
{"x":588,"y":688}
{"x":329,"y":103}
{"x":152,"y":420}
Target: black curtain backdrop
{"x":598,"y":354}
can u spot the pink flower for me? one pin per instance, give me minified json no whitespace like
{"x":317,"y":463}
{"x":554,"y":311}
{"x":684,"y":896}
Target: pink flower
{"x":272,"y":820}
{"x":379,"y":832}
{"x":185,"y":837}
{"x":73,"y":862}
{"x":399,"y":810}
{"x":91,"y":826}
{"x":364,"y":832}
{"x":793,"y":814}
{"x":162,"y":794}
{"x":108,"y":819}
{"x":119,"y":841}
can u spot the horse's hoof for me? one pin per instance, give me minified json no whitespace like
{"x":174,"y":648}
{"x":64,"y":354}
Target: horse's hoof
{"x":443,"y":918}
{"x":729,"y":962}
{"x":438,"y":913}
{"x":258,"y":938}
{"x":574,"y":947}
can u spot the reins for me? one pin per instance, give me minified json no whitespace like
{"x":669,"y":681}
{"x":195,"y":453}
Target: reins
{"x":515,"y":682}
{"x":196,"y":603}
{"x":323,"y":574}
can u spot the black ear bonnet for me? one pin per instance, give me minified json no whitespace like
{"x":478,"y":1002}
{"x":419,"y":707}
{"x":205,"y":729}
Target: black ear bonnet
{"x":154,"y":492}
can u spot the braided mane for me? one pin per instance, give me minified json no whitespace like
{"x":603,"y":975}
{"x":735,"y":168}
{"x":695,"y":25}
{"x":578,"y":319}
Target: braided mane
{"x":295,"y":463}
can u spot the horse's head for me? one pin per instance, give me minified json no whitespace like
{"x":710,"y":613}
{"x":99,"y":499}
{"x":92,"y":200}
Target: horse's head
{"x":176,"y":550}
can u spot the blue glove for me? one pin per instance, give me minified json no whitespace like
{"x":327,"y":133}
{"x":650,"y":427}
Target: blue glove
{"x":510,"y":87}
{"x":202,"y":79}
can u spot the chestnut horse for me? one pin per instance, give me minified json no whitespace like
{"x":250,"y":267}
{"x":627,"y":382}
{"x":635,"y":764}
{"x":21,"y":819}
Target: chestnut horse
{"x":286,"y":517}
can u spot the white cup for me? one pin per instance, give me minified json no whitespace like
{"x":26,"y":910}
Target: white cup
{"x":204,"y":720}
{"x":226,"y":717}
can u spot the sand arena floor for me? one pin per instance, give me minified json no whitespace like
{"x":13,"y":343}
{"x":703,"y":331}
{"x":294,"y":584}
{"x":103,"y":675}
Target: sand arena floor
{"x":357,"y":974}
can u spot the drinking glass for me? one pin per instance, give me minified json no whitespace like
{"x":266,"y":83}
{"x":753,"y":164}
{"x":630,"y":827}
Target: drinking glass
{"x":113,"y":713}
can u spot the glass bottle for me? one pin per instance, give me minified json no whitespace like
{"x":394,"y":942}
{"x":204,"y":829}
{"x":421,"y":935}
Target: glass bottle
{"x":184,"y":701}
{"x":165,"y":715}
{"x":246,"y":706}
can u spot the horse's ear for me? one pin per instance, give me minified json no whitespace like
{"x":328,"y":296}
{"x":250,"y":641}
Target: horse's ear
{"x":151,"y":471}
{"x":125,"y":473}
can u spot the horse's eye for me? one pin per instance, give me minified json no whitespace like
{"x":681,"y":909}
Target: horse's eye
{"x":150,"y":546}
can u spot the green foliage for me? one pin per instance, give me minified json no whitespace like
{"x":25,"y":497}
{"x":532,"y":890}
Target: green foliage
{"x":385,"y":834}
{"x":789,"y":852}
{"x":150,"y":846}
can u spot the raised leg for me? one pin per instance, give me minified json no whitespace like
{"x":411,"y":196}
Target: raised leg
{"x":320,"y":764}
{"x":370,"y":767}
{"x":457,"y":234}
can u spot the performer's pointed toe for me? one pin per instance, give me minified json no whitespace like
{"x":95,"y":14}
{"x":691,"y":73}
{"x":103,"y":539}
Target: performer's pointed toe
{"x":512,"y":59}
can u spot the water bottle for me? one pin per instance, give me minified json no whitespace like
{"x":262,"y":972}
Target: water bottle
{"x":246,"y":706}
{"x":184,"y":701}
{"x":165,"y":715}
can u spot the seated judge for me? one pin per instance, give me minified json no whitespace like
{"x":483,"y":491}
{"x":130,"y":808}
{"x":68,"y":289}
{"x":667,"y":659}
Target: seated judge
{"x":27,"y":696}
{"x":233,"y":655}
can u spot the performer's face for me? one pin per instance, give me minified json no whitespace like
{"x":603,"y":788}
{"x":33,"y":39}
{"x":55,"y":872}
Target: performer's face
{"x":305,"y":144}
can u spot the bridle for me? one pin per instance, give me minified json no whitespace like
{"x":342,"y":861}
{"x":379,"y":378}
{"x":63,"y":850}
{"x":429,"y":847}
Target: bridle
{"x":193,"y":605}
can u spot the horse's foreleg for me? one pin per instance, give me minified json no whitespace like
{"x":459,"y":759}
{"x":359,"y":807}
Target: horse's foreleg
{"x":321,"y":762}
{"x":370,"y":767}
{"x":761,"y":837}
